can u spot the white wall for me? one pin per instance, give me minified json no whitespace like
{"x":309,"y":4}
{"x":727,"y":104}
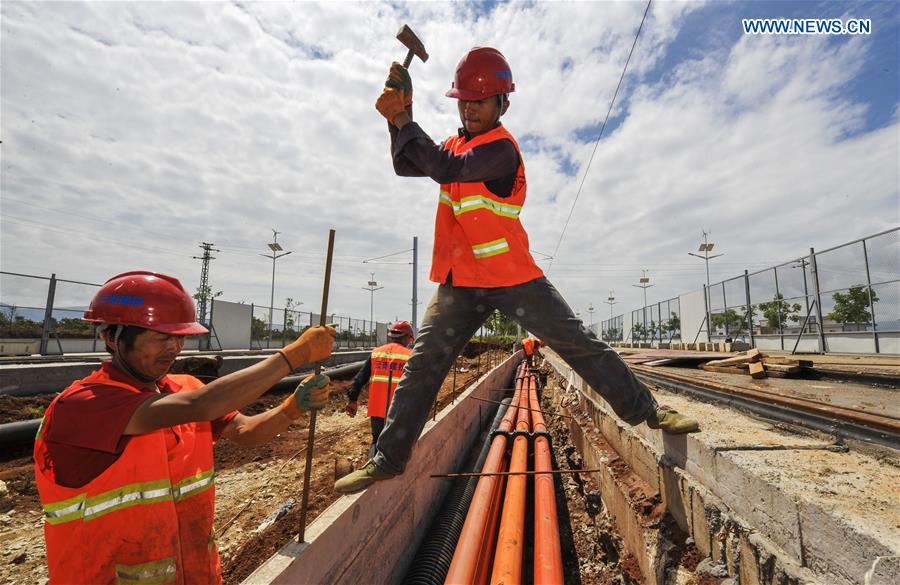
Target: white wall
{"x":232,"y":323}
{"x":693,"y":312}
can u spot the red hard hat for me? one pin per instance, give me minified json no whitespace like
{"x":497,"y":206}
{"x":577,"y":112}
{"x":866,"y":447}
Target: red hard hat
{"x":145,"y":299}
{"x":401,"y":328}
{"x":481,"y":73}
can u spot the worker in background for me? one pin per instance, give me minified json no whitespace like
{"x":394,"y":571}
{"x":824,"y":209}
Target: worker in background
{"x":530,"y":345}
{"x":382,"y":372}
{"x":124,"y":457}
{"x":482,"y":262}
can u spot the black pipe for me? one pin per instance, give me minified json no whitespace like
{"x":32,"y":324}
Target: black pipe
{"x":432,"y":560}
{"x":18,"y":433}
{"x":338,"y":373}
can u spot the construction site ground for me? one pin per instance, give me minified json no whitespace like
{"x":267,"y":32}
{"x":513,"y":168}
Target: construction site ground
{"x":252,"y":484}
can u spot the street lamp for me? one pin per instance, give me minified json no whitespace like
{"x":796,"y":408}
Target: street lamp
{"x":644,"y":284}
{"x":276,"y":248}
{"x":373,"y":286}
{"x":611,"y":300}
{"x":706,"y":247}
{"x":591,"y":312}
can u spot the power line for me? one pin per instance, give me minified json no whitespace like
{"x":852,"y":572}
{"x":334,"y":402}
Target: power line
{"x":603,"y":127}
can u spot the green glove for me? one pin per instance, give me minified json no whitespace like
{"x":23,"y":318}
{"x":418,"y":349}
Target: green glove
{"x":310,"y":394}
{"x":399,"y":79}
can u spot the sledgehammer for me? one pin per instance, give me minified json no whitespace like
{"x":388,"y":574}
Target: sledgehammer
{"x":409,"y":39}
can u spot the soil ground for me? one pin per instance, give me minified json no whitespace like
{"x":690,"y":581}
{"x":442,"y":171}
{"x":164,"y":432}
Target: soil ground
{"x":251,"y":483}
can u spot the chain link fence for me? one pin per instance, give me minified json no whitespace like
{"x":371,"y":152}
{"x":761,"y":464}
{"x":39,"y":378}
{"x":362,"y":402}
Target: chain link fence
{"x":845,"y":299}
{"x":42,"y":315}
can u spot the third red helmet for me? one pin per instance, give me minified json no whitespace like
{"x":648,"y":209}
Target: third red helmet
{"x":401,"y":328}
{"x":481,"y":73}
{"x":145,"y":299}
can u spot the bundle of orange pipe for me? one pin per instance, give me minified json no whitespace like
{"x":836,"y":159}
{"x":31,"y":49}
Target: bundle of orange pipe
{"x":485,"y":551}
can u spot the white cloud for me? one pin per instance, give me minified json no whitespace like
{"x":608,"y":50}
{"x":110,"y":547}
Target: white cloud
{"x":133,"y":131}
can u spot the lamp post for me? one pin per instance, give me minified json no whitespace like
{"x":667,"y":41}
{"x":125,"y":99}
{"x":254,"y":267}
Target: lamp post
{"x":276,"y":248}
{"x":706,"y":247}
{"x":590,"y":310}
{"x":611,"y":300}
{"x":373,"y":286}
{"x":644,"y":284}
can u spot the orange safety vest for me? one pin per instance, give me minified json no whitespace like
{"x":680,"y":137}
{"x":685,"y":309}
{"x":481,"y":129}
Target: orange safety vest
{"x":530,"y":344}
{"x":387,"y":369}
{"x":147,"y":519}
{"x":477,"y":235}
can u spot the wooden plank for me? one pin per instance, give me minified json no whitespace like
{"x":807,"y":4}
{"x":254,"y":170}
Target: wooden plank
{"x":757,"y":370}
{"x":752,"y":355}
{"x":724,"y":369}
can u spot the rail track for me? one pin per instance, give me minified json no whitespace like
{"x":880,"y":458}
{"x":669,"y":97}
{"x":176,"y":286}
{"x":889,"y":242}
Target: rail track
{"x":841,"y":422}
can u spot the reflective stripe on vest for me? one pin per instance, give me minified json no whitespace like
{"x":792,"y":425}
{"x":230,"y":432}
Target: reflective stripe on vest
{"x":492,"y":248}
{"x":81,"y":507}
{"x":152,"y":573}
{"x":474,"y":202}
{"x":391,"y":356}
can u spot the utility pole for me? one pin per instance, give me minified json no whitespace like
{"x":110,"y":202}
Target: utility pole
{"x":204,"y":291}
{"x":590,"y":310}
{"x":276,"y":248}
{"x":373,"y":286}
{"x":706,"y":247}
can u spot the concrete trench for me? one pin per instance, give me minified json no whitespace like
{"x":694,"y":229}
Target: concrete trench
{"x":679,"y":510}
{"x":668,"y":492}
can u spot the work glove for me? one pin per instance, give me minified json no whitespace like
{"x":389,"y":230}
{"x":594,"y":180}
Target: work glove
{"x":399,"y":79}
{"x":314,"y":345}
{"x":352,"y":407}
{"x":310,"y":394}
{"x":390,"y":104}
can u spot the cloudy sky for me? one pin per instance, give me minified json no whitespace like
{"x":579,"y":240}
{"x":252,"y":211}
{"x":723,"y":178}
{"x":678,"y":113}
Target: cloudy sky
{"x":133,"y":131}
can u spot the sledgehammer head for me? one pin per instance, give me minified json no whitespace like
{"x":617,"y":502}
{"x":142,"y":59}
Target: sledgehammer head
{"x":406,"y":36}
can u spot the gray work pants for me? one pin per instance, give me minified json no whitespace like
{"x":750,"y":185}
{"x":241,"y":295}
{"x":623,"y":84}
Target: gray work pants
{"x":455,"y":314}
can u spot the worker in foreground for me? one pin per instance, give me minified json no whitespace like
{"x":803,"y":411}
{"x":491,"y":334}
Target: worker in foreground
{"x":124,"y":457}
{"x":482,"y":262}
{"x":531,"y":346}
{"x":382,"y":372}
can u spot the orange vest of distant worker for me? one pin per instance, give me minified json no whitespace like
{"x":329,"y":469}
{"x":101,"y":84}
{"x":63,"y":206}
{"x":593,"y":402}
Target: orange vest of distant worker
{"x":530,"y":344}
{"x":477,"y":235}
{"x":148,"y":518}
{"x":387,"y":369}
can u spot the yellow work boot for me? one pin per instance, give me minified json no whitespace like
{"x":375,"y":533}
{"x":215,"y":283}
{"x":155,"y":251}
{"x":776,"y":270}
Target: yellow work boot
{"x":670,"y":421}
{"x":361,"y":479}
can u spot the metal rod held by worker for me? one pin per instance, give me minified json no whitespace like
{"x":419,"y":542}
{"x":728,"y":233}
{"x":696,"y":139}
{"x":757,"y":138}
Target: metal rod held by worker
{"x":312,"y":416}
{"x":507,"y":473}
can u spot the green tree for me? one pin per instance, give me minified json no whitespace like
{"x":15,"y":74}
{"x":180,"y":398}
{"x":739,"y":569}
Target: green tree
{"x":853,"y":306}
{"x":674,"y":325}
{"x":735,"y":322}
{"x":204,"y":296}
{"x":638,"y":331}
{"x":500,"y":324}
{"x":258,"y":328}
{"x":778,"y":312}
{"x":290,"y":317}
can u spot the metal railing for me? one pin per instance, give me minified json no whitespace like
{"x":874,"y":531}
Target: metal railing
{"x":843,"y":299}
{"x":40,"y":314}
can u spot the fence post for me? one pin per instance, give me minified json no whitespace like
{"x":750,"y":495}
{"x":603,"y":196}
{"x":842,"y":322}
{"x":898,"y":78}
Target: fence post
{"x":871,"y":303}
{"x":252,"y":310}
{"x":48,"y":315}
{"x":749,"y":307}
{"x":815,"y":274}
{"x":725,"y":304}
{"x":708,"y":321}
